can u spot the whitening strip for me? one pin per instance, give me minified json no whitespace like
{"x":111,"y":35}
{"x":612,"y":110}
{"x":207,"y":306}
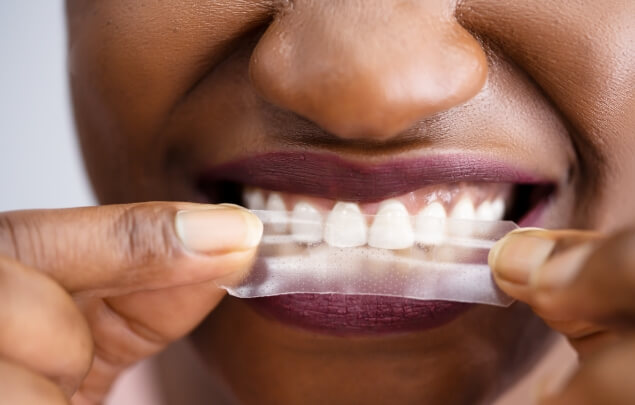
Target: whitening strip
{"x":426,"y":258}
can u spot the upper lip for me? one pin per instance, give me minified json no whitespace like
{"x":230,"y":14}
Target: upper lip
{"x":331,"y":176}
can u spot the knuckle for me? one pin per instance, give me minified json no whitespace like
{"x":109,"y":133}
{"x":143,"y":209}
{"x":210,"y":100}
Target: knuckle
{"x":21,"y":238}
{"x":8,"y":237}
{"x":15,"y":237}
{"x":145,"y":232}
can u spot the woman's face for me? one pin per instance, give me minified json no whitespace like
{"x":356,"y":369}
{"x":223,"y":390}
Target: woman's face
{"x":419,"y":100}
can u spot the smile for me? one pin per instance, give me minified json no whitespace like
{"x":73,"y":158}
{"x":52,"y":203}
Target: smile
{"x":331,"y":193}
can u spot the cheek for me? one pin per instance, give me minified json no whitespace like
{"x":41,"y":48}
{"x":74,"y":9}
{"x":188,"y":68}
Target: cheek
{"x":131,"y":62}
{"x":583,"y":58}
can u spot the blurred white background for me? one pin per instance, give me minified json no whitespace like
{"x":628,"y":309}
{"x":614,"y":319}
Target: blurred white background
{"x":40,"y":164}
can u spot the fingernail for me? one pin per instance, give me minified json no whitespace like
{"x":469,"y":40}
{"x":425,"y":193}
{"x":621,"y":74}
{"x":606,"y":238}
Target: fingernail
{"x":519,"y":253}
{"x":219,"y":229}
{"x":517,"y":257}
{"x":230,"y":205}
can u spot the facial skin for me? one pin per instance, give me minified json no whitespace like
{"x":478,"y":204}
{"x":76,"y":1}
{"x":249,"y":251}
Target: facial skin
{"x":164,"y":90}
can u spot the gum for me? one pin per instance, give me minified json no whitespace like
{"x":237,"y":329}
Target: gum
{"x":452,"y":268}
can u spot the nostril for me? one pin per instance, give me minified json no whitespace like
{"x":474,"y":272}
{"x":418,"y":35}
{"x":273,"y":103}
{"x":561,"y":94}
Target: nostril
{"x":367,"y":73}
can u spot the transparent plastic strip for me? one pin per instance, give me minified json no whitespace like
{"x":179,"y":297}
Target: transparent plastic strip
{"x":419,"y":258}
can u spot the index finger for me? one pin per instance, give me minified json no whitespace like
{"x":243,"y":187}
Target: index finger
{"x":134,"y":246}
{"x":567,"y":275}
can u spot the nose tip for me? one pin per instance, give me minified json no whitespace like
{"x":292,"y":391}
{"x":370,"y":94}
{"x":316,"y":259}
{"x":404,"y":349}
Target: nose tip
{"x":371,"y":72}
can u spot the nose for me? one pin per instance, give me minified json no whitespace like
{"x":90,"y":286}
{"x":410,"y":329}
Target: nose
{"x":367,"y":69}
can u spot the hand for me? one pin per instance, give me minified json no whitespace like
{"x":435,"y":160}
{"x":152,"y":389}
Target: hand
{"x":86,"y":292}
{"x":583,"y":286}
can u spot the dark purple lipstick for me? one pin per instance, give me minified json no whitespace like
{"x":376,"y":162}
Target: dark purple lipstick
{"x":357,"y":314}
{"x":330,"y":176}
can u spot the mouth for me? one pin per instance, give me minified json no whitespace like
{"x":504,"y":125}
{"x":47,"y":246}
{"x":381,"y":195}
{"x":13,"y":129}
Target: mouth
{"x":331,"y":189}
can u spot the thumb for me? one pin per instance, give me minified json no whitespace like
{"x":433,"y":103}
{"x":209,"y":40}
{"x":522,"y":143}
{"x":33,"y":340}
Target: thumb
{"x":528,"y":261}
{"x":117,"y":249}
{"x":570,"y":274}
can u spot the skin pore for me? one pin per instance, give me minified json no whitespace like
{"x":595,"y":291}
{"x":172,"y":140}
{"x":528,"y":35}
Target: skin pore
{"x":163,"y":91}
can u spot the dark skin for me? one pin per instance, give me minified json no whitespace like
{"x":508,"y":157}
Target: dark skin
{"x":163,"y":90}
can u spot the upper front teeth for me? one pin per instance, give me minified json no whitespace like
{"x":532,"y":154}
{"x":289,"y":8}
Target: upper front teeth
{"x":485,"y":211}
{"x":254,"y":199}
{"x":391,"y":228}
{"x":429,"y":225}
{"x":491,"y":211}
{"x":464,"y":209}
{"x":276,"y":203}
{"x":306,"y":223}
{"x":498,"y":209}
{"x":345,"y":226}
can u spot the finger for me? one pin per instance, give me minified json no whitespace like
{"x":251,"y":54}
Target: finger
{"x":121,"y":248}
{"x":42,"y":329}
{"x":139,"y":324}
{"x":133,"y":331}
{"x":21,"y":386}
{"x":591,"y":280}
{"x":604,"y":378}
{"x":598,"y":285}
{"x":517,"y":257}
{"x":131,"y":327}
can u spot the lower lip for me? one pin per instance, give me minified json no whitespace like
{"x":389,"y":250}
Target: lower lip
{"x":340,"y":314}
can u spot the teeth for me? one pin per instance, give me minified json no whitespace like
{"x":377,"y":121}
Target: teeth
{"x":280,"y":219}
{"x":391,"y":228}
{"x":429,"y":224}
{"x":464,"y":209}
{"x":498,"y":208}
{"x":485,"y":212}
{"x":254,"y":199}
{"x":491,"y":211}
{"x":306,"y":223}
{"x":276,"y":203}
{"x":345,"y":226}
